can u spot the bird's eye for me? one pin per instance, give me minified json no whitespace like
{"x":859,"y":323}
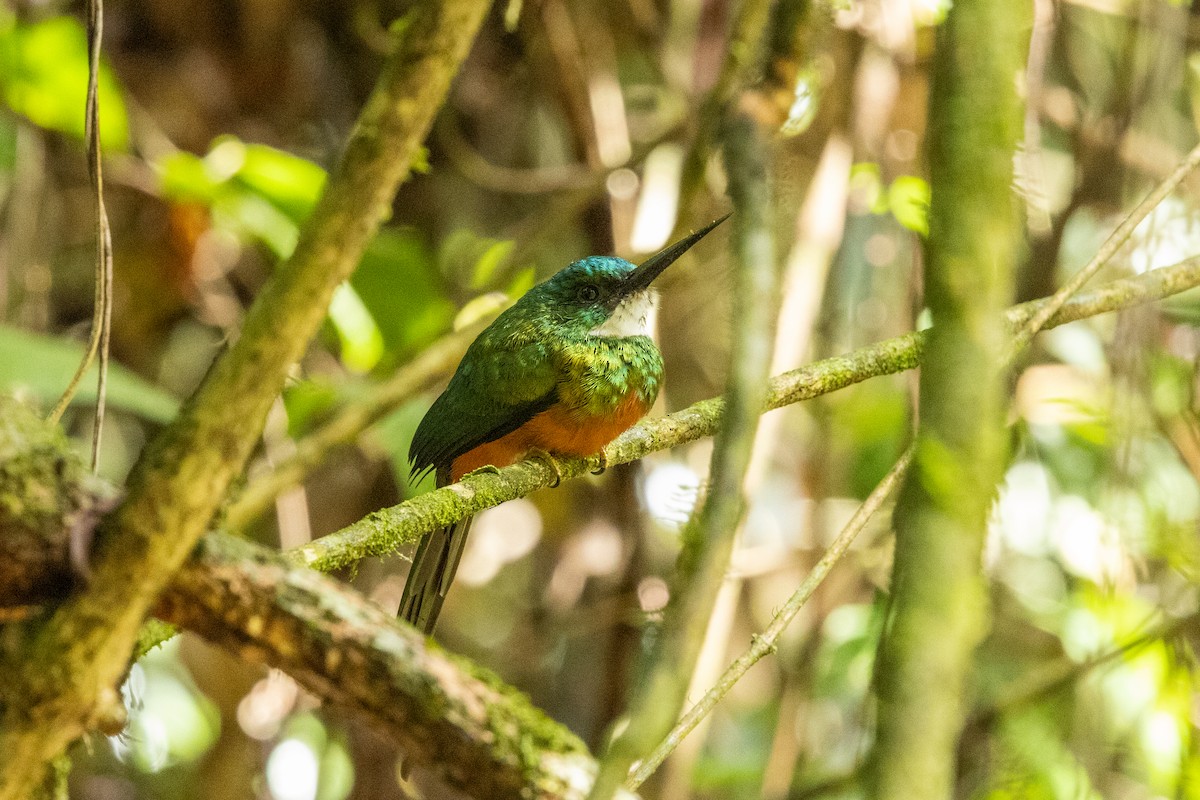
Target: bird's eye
{"x":588,"y":293}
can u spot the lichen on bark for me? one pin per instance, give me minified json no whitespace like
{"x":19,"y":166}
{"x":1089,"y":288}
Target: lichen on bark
{"x":47,"y":495}
{"x":938,"y":611}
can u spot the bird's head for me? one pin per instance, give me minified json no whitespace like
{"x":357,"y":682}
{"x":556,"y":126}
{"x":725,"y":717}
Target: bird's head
{"x":609,"y":296}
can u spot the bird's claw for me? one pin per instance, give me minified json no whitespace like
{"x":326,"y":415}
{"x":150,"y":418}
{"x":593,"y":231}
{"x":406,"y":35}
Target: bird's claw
{"x":550,"y":461}
{"x":602,"y":467}
{"x":486,"y":469}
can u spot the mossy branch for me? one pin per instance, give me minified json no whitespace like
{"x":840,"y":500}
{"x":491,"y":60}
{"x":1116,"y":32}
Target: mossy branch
{"x":939,"y":609}
{"x":450,"y":716}
{"x":226,"y":591}
{"x":62,"y":677}
{"x":383,"y":532}
{"x":478,"y":735}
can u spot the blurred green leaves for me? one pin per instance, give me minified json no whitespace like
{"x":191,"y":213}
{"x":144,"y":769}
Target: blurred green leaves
{"x":310,"y":762}
{"x":43,"y":365}
{"x":171,"y":722}
{"x":257,"y":192}
{"x":43,"y":77}
{"x":906,"y":197}
{"x":397,"y":301}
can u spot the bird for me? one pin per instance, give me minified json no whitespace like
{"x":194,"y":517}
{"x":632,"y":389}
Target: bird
{"x":563,"y":371}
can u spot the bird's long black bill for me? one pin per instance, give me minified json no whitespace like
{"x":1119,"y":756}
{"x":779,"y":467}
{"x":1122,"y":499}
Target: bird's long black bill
{"x":433,"y":568}
{"x":652,"y":267}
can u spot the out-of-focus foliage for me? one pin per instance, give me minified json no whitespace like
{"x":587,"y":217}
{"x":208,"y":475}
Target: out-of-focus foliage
{"x":567,"y":134}
{"x":43,"y":77}
{"x":43,"y":365}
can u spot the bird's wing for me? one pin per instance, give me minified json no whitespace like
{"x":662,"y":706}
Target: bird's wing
{"x":494,"y":392}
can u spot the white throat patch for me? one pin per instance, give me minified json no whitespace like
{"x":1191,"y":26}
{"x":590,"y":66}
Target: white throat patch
{"x":635,"y":316}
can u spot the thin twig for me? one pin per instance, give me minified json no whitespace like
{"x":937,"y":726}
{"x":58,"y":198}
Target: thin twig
{"x":351,"y":421}
{"x":765,"y":642}
{"x":98,"y":341}
{"x":1105,"y":254}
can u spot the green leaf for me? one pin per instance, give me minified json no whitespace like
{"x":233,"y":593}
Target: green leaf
{"x":311,"y":399}
{"x":254,"y":217}
{"x":185,"y":177}
{"x":399,"y":285}
{"x":362,"y":342}
{"x":44,"y":365}
{"x":44,"y":74}
{"x":492,"y":258}
{"x":256,"y":191}
{"x":289,"y":182}
{"x":908,"y":197}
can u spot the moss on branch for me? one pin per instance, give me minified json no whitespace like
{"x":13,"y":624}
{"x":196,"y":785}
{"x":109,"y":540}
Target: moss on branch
{"x":66,"y":670}
{"x":477,"y":734}
{"x":26,"y":435}
{"x":47,"y":496}
{"x":383,"y":532}
{"x":481,"y":736}
{"x":938,"y":610}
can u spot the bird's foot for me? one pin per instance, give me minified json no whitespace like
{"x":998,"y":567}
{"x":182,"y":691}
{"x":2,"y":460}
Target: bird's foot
{"x":602,"y":467}
{"x":486,"y":469}
{"x":550,"y":461}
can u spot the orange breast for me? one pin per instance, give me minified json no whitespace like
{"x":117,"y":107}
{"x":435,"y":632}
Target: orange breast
{"x":556,"y":430}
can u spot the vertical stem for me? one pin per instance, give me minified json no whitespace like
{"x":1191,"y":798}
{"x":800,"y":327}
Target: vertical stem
{"x":708,"y":539}
{"x":98,"y":341}
{"x":939,"y":611}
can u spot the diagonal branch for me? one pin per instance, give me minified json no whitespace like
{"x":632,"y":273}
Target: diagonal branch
{"x":382,"y":532}
{"x":434,"y":363}
{"x":60,"y":679}
{"x":481,"y":737}
{"x":460,"y":721}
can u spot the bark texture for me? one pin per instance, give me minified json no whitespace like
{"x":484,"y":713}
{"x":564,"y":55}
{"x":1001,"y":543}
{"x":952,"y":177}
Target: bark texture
{"x":938,"y":613}
{"x":449,"y":715}
{"x":62,"y":672}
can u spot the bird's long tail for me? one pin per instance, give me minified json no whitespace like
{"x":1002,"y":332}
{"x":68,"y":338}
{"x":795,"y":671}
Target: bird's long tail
{"x":433,"y":568}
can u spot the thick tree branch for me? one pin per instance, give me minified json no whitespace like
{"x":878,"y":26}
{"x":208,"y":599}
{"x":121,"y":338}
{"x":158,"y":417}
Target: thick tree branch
{"x":384,"y":531}
{"x":938,"y":610}
{"x":480,"y":736}
{"x":65,"y":671}
{"x":449,"y":715}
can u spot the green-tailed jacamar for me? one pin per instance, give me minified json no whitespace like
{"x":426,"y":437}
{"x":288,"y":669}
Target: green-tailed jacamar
{"x":565,"y":370}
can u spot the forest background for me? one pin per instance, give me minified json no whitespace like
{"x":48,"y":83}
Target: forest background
{"x":1022,"y":624}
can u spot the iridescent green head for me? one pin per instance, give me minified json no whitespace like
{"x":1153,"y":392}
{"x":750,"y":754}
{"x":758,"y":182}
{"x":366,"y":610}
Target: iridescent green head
{"x":606,"y":295}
